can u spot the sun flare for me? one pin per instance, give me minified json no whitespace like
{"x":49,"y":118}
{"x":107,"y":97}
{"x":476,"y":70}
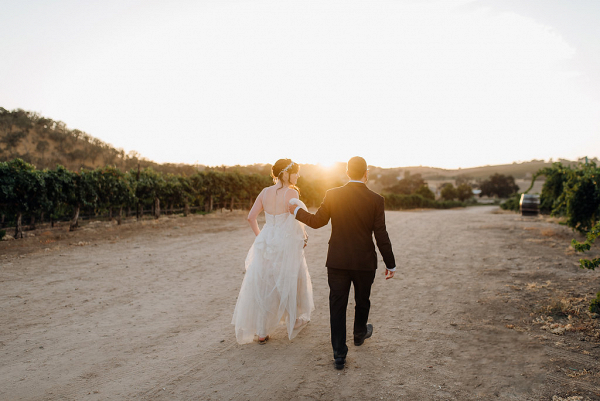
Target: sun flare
{"x":327,"y":165}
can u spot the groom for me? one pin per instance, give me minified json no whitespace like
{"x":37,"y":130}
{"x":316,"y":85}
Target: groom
{"x":356,"y":214}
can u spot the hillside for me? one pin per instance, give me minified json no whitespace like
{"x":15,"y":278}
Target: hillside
{"x":45,"y":143}
{"x":523,"y":170}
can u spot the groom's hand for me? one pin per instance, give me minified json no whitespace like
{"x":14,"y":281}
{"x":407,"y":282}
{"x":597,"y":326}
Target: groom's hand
{"x":388,"y":274}
{"x":292,"y":208}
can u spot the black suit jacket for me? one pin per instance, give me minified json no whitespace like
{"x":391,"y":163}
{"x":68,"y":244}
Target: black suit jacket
{"x":356,"y":214}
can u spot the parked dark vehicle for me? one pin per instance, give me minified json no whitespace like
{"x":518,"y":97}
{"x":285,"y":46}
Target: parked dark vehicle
{"x":529,"y":205}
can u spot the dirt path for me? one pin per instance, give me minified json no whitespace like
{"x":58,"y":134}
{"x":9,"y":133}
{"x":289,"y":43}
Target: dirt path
{"x":144,"y":311}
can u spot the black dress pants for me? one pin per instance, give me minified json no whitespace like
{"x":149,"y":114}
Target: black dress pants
{"x":339,"y":290}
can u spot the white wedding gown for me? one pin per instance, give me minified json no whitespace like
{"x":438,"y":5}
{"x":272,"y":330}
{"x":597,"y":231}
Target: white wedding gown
{"x":276,"y":287}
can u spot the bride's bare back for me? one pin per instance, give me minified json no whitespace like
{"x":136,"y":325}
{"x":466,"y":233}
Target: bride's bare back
{"x":273,"y":200}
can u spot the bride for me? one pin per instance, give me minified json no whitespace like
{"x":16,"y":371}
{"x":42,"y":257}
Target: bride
{"x":277,"y":287}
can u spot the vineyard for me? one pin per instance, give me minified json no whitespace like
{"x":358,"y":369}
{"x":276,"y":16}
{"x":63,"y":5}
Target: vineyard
{"x":60,"y":194}
{"x":29,"y":196}
{"x":573,"y":194}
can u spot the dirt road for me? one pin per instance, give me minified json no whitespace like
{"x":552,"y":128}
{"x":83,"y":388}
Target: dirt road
{"x":143,"y":311}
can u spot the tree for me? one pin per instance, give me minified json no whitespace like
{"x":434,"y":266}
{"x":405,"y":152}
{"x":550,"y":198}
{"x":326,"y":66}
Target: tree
{"x":388,"y":179}
{"x":449,"y":192}
{"x":499,"y":185}
{"x":464,"y":192}
{"x":12,"y":139}
{"x":462,"y":179}
{"x":408,"y":185}
{"x":312,"y":192}
{"x":42,"y":147}
{"x":425,"y":192}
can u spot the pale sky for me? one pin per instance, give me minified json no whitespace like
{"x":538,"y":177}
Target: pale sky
{"x":453,"y":83}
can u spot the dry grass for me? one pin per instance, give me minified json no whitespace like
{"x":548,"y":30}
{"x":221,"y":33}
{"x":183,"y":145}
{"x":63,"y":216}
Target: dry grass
{"x":567,"y":306}
{"x":558,"y":306}
{"x":549,"y":233}
{"x":537,"y":286}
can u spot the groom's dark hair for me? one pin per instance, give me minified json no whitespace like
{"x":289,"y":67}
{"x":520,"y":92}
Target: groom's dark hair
{"x":357,"y":166}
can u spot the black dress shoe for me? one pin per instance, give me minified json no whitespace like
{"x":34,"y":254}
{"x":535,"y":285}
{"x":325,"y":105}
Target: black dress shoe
{"x":360,"y":340}
{"x":339,"y":363}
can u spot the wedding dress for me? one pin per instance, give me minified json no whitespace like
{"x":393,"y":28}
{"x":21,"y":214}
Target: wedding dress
{"x":276,"y":287}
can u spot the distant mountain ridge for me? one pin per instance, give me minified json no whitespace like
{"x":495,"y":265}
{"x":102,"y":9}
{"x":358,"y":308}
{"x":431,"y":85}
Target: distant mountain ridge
{"x":45,"y":143}
{"x":518,"y":170}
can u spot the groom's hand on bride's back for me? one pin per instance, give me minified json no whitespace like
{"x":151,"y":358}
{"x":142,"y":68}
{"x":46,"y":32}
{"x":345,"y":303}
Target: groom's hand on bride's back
{"x":292,"y":208}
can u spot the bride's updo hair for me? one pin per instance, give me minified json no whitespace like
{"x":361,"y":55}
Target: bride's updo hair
{"x":279,"y":166}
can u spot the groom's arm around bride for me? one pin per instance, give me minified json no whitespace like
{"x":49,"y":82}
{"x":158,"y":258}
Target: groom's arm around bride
{"x":357,"y":214}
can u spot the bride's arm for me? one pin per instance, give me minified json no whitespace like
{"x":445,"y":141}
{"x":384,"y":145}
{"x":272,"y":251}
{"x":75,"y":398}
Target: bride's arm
{"x":254,"y":212}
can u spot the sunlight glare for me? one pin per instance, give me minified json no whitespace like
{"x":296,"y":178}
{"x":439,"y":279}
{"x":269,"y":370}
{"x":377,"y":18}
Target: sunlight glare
{"x":398,"y":82}
{"x":327,"y":165}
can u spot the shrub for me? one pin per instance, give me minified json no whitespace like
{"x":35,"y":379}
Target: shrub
{"x":449,"y":204}
{"x":499,"y":185}
{"x":425,"y":192}
{"x":410,"y":184}
{"x":571,"y":192}
{"x":464,"y":192}
{"x":512,"y":203}
{"x":595,"y":304}
{"x":586,"y":246}
{"x":405,"y":202}
{"x":575,"y":194}
{"x":449,"y":192}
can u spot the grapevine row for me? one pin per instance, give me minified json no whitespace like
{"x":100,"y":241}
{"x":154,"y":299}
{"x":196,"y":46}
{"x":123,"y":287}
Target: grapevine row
{"x":58,"y":193}
{"x":574,"y":193}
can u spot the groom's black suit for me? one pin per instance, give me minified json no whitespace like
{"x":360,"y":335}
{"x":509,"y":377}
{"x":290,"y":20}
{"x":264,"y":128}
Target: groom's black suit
{"x":356,"y":214}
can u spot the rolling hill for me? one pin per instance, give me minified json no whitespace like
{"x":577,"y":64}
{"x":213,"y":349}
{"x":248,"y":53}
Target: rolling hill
{"x":45,"y":143}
